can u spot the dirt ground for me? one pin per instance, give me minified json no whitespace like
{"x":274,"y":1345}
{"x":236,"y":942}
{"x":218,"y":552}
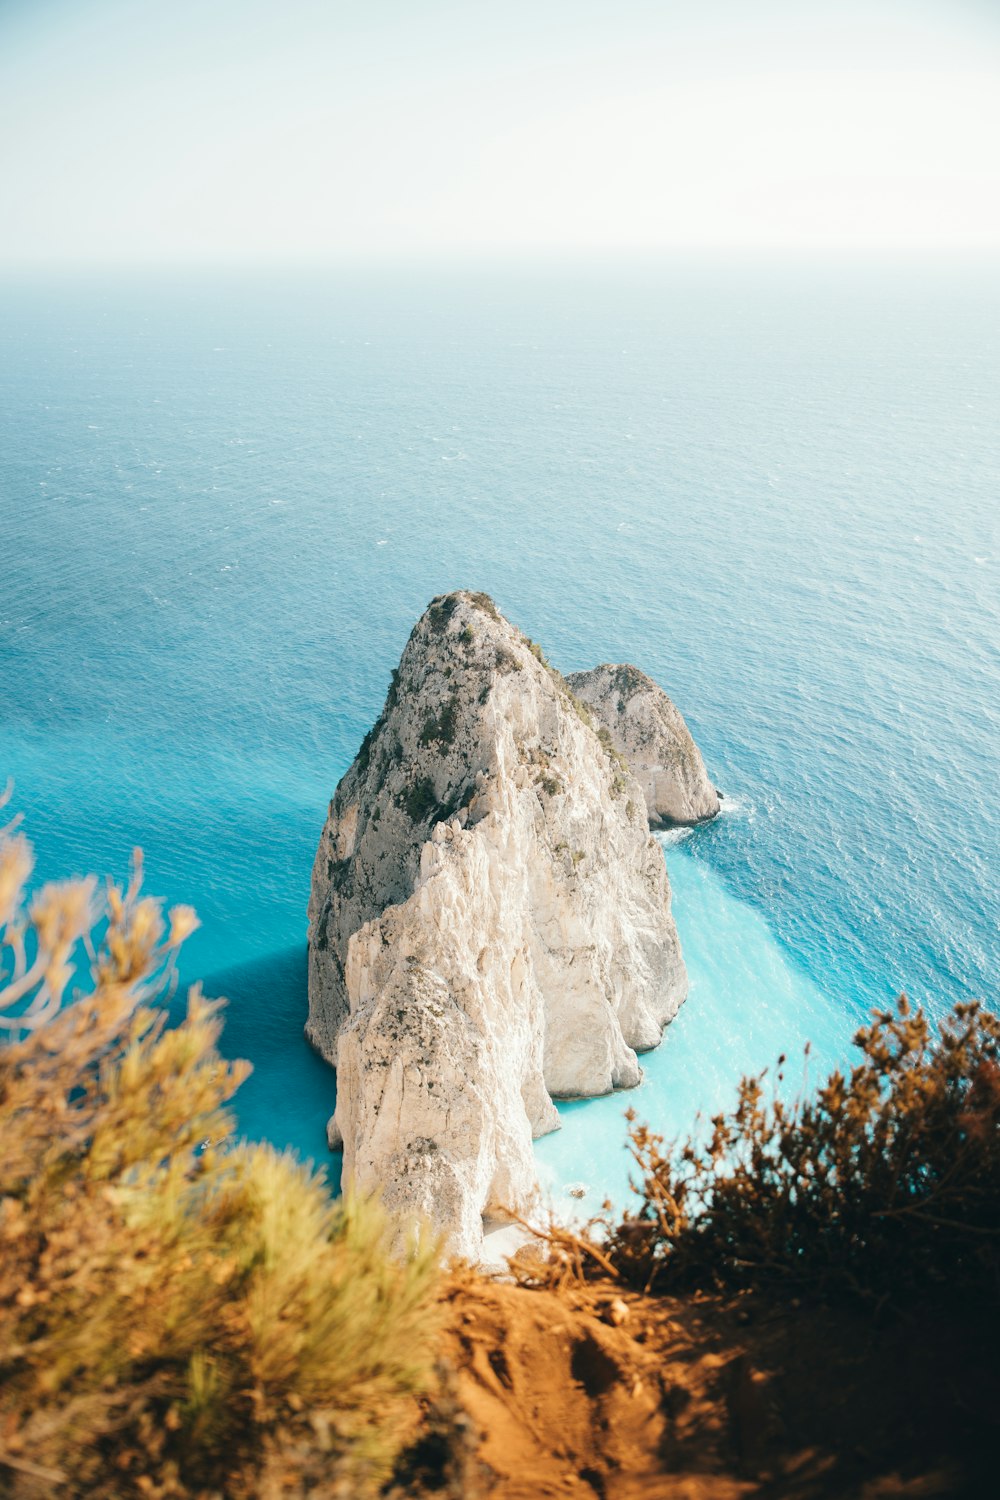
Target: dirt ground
{"x":597,"y":1391}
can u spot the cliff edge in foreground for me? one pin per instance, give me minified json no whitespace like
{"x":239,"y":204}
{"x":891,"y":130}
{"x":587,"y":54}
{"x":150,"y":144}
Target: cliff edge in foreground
{"x":490,"y":924}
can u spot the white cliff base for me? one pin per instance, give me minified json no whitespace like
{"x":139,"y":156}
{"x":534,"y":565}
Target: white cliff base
{"x":490,"y":925}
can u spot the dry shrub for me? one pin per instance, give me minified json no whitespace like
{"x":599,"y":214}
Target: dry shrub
{"x":886,"y":1182}
{"x":177,"y":1318}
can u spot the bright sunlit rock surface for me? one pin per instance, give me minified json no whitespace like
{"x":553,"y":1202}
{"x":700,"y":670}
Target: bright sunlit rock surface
{"x":490,"y":924}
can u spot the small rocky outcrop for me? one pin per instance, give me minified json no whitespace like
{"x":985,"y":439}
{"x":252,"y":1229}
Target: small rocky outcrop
{"x":490,"y":924}
{"x":649,"y":731}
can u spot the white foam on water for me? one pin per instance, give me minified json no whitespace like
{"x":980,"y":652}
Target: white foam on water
{"x":736,"y":806}
{"x":668,"y":837}
{"x":729,"y":807}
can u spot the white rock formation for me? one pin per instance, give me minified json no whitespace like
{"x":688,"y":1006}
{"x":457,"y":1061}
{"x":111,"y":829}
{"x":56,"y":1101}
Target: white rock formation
{"x":650,"y":733}
{"x":489,"y":924}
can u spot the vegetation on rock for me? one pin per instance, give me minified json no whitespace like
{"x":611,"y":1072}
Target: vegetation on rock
{"x":440,"y":728}
{"x":419,"y":800}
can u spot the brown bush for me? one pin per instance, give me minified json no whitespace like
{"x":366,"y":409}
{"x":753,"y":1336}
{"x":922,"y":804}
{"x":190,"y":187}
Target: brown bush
{"x":178,"y":1316}
{"x":886,"y":1181}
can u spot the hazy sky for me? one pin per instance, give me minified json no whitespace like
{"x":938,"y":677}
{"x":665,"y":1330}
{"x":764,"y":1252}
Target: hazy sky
{"x":194,"y":130}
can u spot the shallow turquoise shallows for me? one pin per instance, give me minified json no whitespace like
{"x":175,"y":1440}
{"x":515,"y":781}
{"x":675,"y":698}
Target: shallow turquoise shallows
{"x":225,"y":500}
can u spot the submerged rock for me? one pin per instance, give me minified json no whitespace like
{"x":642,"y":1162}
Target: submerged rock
{"x":650,"y":732}
{"x":490,"y":924}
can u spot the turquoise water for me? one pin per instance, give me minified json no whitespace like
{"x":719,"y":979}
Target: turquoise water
{"x":224,"y":502}
{"x":749,"y":1002}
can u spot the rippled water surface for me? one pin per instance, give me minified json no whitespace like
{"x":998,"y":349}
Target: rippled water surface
{"x":224,"y":501}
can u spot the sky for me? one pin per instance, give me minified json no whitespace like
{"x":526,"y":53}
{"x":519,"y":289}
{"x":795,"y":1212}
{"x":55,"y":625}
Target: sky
{"x":275,"y":131}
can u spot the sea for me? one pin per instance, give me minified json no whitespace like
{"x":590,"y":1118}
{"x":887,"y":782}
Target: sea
{"x":225,"y":497}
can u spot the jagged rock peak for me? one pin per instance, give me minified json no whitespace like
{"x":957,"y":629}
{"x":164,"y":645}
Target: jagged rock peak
{"x":490,"y":923}
{"x":650,"y":732}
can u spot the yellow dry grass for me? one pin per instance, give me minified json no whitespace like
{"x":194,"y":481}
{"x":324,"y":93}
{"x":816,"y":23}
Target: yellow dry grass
{"x":176,"y":1319}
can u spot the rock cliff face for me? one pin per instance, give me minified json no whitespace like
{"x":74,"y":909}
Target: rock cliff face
{"x":650,"y":733}
{"x":490,"y":924}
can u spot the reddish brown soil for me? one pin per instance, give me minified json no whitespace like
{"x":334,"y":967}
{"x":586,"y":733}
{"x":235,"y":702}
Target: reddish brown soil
{"x":596,"y":1391}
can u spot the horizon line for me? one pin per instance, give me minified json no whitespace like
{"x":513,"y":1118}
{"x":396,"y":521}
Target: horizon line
{"x":508,"y":256}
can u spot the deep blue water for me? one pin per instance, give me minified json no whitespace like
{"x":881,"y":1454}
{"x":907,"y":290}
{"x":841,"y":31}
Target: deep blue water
{"x":224,"y":501}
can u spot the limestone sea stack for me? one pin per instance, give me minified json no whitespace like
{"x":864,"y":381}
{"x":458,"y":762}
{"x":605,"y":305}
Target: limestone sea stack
{"x":650,"y":733}
{"x":490,"y":924}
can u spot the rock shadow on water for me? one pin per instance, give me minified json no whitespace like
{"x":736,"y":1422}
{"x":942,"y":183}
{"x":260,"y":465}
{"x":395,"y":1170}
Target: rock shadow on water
{"x":291,"y":1092}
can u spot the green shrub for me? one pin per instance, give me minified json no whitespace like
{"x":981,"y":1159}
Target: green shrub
{"x":419,"y":799}
{"x":536,"y":651}
{"x":506,"y":661}
{"x":577,"y":704}
{"x":177,"y":1317}
{"x":364,"y":755}
{"x":486,"y":604}
{"x":441,"y":727}
{"x":440,"y":612}
{"x":429,"y":730}
{"x":628,"y":681}
{"x":615,"y":756}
